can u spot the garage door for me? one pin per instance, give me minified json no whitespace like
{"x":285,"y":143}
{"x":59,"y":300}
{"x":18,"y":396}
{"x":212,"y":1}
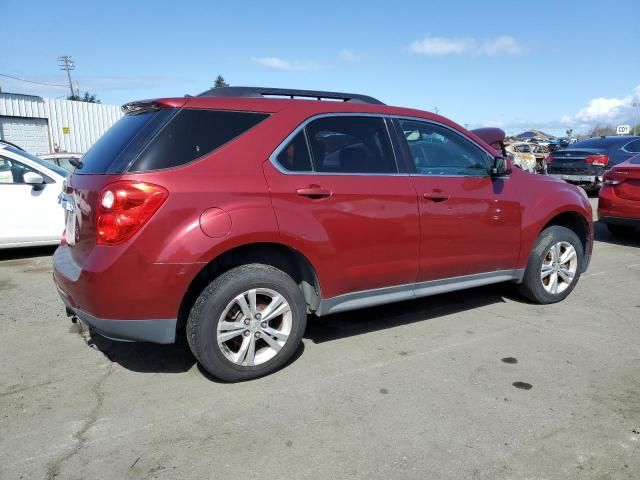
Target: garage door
{"x":31,"y":134}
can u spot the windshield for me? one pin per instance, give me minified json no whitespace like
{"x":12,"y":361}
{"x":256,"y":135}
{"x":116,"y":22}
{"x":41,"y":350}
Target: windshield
{"x":43,"y":163}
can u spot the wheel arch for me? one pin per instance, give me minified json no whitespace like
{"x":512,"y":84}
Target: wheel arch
{"x":278,"y":255}
{"x":577,"y":223}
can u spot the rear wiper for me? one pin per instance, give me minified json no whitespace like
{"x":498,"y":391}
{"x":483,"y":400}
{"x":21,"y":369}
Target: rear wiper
{"x":76,"y":163}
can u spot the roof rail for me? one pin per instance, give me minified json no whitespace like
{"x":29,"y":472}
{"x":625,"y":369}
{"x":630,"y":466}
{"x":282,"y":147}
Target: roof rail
{"x":258,"y":92}
{"x":4,"y":142}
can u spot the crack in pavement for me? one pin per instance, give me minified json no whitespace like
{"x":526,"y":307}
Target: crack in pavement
{"x":55,"y":466}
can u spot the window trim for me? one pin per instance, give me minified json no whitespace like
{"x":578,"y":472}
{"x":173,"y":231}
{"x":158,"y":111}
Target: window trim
{"x":274,"y":156}
{"x":411,"y":163}
{"x":624,"y":147}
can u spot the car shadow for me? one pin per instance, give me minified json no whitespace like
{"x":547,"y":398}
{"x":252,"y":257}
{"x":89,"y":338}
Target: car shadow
{"x":602,"y":234}
{"x":367,"y":320}
{"x":23,"y":253}
{"x":146,"y":357}
{"x":177,"y":358}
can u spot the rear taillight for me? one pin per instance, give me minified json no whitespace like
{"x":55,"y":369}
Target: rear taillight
{"x":597,"y":160}
{"x":549,"y":158}
{"x":124,"y":207}
{"x":614,"y":177}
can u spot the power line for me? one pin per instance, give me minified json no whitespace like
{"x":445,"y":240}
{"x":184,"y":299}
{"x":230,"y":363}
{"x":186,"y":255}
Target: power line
{"x":32,"y":81}
{"x":66,"y":63}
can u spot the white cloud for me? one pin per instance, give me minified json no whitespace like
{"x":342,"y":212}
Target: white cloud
{"x":350,"y":56}
{"x":440,"y":46}
{"x":276,"y":63}
{"x":609,"y":111}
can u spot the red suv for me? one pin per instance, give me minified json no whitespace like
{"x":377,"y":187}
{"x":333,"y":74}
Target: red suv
{"x":236,"y":214}
{"x":619,"y":200}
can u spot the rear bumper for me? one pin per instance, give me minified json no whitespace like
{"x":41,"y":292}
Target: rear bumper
{"x":614,"y":209}
{"x":156,"y":331}
{"x":122,"y":296}
{"x":593,"y":180}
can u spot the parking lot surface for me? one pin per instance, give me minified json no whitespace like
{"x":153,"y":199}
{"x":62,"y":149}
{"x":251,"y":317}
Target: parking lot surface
{"x":474,"y":384}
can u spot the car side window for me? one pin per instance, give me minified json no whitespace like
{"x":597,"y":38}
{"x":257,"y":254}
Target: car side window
{"x":295,"y":156}
{"x":438,"y":150}
{"x":633,"y":147}
{"x":12,"y":172}
{"x":351,"y":144}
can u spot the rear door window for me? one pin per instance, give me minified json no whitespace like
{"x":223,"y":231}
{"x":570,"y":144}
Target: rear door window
{"x":351,"y":144}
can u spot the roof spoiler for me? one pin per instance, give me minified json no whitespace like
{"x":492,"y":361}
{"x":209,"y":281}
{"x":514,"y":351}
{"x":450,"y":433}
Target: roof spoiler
{"x":265,"y":92}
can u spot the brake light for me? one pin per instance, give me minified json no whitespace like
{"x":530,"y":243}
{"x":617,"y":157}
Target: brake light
{"x":549,"y":158}
{"x":124,"y":207}
{"x":614,"y":177}
{"x":597,"y":160}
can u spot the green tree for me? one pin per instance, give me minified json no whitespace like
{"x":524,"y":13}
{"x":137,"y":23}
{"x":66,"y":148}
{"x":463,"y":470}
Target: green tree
{"x":220,"y":82}
{"x":87,"y":97}
{"x":569,"y":132}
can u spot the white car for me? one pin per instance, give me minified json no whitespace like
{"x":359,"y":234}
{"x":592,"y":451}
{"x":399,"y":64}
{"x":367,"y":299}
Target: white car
{"x":62,"y":159}
{"x":29,"y":210}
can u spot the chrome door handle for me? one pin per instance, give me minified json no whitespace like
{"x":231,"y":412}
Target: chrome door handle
{"x":314,"y":192}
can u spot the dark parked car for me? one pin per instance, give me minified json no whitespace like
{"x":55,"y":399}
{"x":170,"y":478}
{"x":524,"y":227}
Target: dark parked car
{"x":236,"y":215}
{"x":619,"y":202}
{"x":584,"y":163}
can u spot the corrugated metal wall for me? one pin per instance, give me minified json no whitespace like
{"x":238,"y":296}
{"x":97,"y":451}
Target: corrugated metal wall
{"x":85,"y":122}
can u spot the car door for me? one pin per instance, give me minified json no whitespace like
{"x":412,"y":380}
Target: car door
{"x":338,"y":196}
{"x":469,"y":221}
{"x":29,"y":213}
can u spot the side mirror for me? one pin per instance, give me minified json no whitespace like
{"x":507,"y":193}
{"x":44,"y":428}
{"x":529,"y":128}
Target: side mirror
{"x":501,"y":167}
{"x":33,"y":178}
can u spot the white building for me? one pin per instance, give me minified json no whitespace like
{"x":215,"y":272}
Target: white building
{"x":39,"y":124}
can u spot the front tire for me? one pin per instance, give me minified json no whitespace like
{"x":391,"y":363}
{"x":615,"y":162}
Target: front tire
{"x":554,"y":266}
{"x":247,"y":323}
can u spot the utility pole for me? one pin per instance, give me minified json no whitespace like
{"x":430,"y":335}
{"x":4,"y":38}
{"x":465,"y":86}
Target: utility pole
{"x":66,"y":63}
{"x":635,"y":123}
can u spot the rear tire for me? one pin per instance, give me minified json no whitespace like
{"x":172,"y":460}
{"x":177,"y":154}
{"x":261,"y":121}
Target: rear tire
{"x":554,"y":266}
{"x":247,"y":323}
{"x":620,"y":230}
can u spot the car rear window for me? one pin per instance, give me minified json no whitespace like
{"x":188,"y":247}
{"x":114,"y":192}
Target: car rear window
{"x":164,"y":138}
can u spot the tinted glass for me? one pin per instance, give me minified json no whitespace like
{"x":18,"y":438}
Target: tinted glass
{"x":351,"y":145}
{"x":439,"y":151}
{"x":192,"y":134}
{"x":633,"y":147}
{"x":104,"y":153}
{"x":295,"y":156}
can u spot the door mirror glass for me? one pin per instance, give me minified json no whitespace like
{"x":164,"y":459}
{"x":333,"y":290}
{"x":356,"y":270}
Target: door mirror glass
{"x":32,"y":178}
{"x":501,"y":167}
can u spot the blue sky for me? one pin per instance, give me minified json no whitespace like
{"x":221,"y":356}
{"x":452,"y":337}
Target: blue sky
{"x":544,"y":64}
